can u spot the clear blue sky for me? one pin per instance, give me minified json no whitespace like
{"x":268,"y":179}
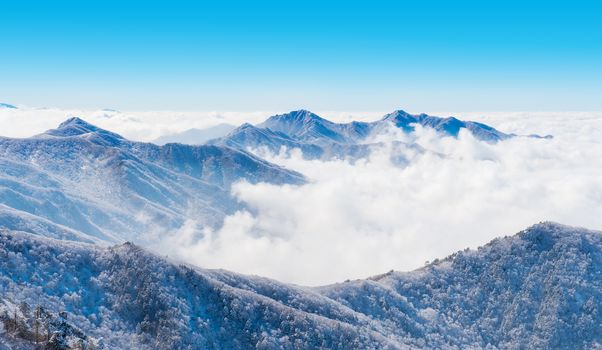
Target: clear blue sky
{"x":230,"y":55}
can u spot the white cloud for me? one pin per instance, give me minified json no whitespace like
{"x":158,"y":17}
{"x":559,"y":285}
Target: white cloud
{"x":356,"y":220}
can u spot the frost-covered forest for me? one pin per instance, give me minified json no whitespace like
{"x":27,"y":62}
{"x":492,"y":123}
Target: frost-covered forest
{"x":541,"y":289}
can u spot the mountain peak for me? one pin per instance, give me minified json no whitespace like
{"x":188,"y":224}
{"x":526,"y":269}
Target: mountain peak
{"x":549,"y":230}
{"x":400,"y":112}
{"x":449,"y":125}
{"x":76,"y":126}
{"x":396,"y":114}
{"x":304,"y":125}
{"x":301,"y":115}
{"x":79,"y":123}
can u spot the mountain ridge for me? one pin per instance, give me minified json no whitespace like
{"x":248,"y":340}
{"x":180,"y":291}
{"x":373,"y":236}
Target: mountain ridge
{"x":471,"y":299}
{"x":319,"y":138}
{"x":96,"y":182}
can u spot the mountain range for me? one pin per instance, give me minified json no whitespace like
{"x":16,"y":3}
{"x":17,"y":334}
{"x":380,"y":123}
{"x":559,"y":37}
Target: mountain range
{"x":319,"y":138}
{"x":71,"y":197}
{"x":84,"y":183}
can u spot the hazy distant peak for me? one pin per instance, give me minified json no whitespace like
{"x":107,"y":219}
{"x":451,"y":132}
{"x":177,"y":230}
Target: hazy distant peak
{"x":196,"y":136}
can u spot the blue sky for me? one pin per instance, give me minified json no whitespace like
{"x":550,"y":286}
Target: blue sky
{"x":353,"y":56}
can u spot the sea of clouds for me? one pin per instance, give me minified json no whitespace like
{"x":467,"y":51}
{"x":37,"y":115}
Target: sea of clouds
{"x":356,"y":219}
{"x":359,"y":219}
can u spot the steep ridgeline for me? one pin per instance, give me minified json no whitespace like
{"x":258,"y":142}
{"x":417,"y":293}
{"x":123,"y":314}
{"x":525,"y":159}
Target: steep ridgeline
{"x":539,"y":289}
{"x":80,"y":182}
{"x":319,"y":138}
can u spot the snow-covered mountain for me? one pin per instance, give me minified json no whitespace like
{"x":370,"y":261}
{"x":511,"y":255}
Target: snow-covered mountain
{"x":539,"y":289}
{"x":84,"y":183}
{"x":196,"y":136}
{"x":447,"y":126}
{"x":306,"y":126}
{"x":249,"y":137}
{"x":319,"y":138}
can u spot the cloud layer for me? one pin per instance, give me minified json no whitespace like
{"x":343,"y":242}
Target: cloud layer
{"x":356,"y":220}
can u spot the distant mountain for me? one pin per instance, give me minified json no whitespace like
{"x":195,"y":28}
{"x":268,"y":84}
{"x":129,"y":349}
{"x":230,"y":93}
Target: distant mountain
{"x":447,"y":126}
{"x":84,"y":183}
{"x":7,"y":106}
{"x":196,"y":136}
{"x":248,"y":136}
{"x":308,"y":127}
{"x":319,"y":138}
{"x":539,"y":289}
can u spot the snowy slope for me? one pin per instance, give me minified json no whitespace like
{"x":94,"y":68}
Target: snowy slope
{"x":539,"y":289}
{"x":103,"y":187}
{"x":135,"y":300}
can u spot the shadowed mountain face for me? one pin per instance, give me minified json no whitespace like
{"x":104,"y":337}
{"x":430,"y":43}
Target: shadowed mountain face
{"x":319,"y":138}
{"x":82,"y":182}
{"x":539,"y":289}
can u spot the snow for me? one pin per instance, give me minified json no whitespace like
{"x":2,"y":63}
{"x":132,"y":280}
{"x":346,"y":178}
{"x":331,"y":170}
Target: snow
{"x":318,"y":138}
{"x":71,"y":196}
{"x":540,"y":288}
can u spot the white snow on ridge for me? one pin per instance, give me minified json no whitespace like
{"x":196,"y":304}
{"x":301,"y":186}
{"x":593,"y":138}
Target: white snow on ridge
{"x":540,"y":288}
{"x":107,"y":188}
